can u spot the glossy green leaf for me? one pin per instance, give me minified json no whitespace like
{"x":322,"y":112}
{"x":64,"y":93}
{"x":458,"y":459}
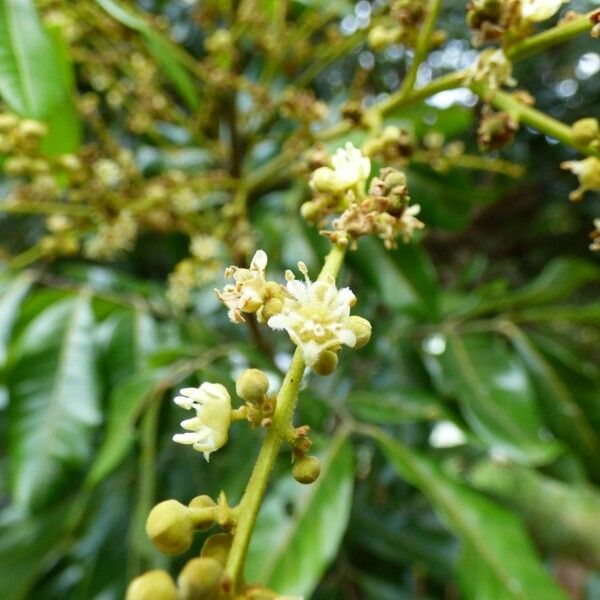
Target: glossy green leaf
{"x":53,"y":400}
{"x":11,"y":297}
{"x":495,"y":395}
{"x":491,"y":535}
{"x":162,"y":49}
{"x":126,"y":404}
{"x":32,"y":75}
{"x":300,"y":527}
{"x":394,"y":406}
{"x":558,"y":401}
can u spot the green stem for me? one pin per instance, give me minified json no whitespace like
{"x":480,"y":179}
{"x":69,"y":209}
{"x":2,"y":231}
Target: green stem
{"x":282,"y":419}
{"x":530,"y":116}
{"x":422,"y":47}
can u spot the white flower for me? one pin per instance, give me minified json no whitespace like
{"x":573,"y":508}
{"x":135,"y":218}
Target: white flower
{"x":208,"y":430}
{"x":350,"y":169}
{"x":246,"y":295}
{"x":315,"y":315}
{"x":408,"y":223}
{"x":493,"y":68}
{"x":540,"y":10}
{"x":588,"y":173}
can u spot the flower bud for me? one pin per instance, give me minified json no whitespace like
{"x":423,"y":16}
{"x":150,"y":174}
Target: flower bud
{"x":252,"y":385}
{"x":217,"y":546}
{"x":324,"y":180}
{"x":306,"y":469}
{"x":381,"y":37}
{"x":31,"y":129}
{"x":326,"y":363}
{"x":8,"y":121}
{"x":153,"y":585}
{"x":200,"y":579}
{"x":585,"y":131}
{"x":170,"y":527}
{"x":203,"y":502}
{"x":310,"y":211}
{"x":362,"y":330}
{"x":272,"y":307}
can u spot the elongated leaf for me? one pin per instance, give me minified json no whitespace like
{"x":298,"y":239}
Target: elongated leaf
{"x":300,"y":527}
{"x":395,"y":406}
{"x":490,"y":533}
{"x":125,"y":407}
{"x":161,"y":48}
{"x":10,"y":301}
{"x":32,"y":74}
{"x":563,"y":413}
{"x":53,"y":406}
{"x":495,"y":395}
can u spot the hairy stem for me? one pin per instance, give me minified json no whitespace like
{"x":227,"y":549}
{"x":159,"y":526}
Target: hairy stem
{"x":282,"y":420}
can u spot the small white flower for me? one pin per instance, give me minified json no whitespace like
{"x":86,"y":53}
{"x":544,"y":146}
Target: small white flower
{"x":246,"y":295}
{"x":208,"y":430}
{"x":408,"y":222}
{"x":315,"y":315}
{"x":588,"y":173}
{"x":493,"y":68}
{"x":350,"y":169}
{"x":540,"y":10}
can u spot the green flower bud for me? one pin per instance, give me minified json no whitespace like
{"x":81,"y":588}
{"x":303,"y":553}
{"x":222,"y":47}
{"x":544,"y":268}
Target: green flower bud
{"x":200,"y":579}
{"x":217,"y":546}
{"x":170,"y":527}
{"x":153,"y":585}
{"x":270,"y":308}
{"x":585,"y":131}
{"x":306,"y":469}
{"x":326,"y":363}
{"x":252,"y":385}
{"x":310,"y":211}
{"x":362,"y":330}
{"x":203,"y":502}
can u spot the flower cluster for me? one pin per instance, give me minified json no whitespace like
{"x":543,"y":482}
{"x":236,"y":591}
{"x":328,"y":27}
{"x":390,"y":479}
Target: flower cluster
{"x":493,"y":68}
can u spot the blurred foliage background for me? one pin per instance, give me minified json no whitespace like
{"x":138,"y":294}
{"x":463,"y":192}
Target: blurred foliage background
{"x":481,"y":479}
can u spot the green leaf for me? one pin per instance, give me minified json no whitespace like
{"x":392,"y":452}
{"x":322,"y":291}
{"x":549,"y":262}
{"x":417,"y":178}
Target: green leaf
{"x":32,"y":75}
{"x":495,"y":395}
{"x":394,"y":406}
{"x":558,"y":402}
{"x":10,"y":302}
{"x":557,"y":281}
{"x":126,"y":404}
{"x":491,"y":535}
{"x":300,"y":527}
{"x":53,"y":401}
{"x":26,"y":547}
{"x":163,"y":50}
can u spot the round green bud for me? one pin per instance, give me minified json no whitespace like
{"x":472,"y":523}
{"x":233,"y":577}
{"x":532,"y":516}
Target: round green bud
{"x":362,"y":330}
{"x":306,"y":469}
{"x":217,"y":546}
{"x":310,"y":211}
{"x":200,"y":579}
{"x":153,"y":585}
{"x":394,"y":178}
{"x":203,"y":502}
{"x":170,"y":527}
{"x":326,"y":363}
{"x":252,"y":385}
{"x":272,"y":307}
{"x":585,"y":131}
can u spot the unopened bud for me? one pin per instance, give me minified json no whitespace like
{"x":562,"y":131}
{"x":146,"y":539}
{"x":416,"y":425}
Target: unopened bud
{"x":306,"y":469}
{"x":8,"y":121}
{"x":203,"y":502}
{"x":310,"y":211}
{"x":200,"y":579}
{"x":153,"y":585}
{"x":170,"y":527}
{"x":217,"y":546}
{"x":362,"y":330}
{"x":585,"y":131}
{"x":30,"y":129}
{"x":270,"y":308}
{"x":252,"y":385}
{"x":326,"y":363}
